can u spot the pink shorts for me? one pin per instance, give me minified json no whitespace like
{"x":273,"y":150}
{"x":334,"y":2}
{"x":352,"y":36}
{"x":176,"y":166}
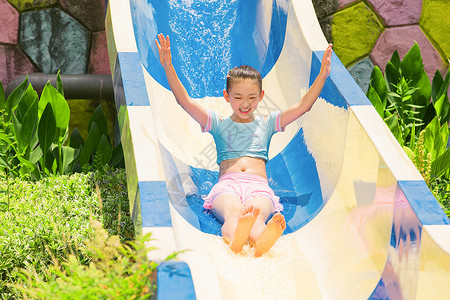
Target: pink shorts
{"x":245,"y":186}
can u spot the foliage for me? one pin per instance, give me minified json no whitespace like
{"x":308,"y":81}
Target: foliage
{"x":117,"y":271}
{"x":34,"y":131}
{"x":113,"y":201}
{"x":417,"y":113}
{"x":46,"y":219}
{"x":49,"y":221}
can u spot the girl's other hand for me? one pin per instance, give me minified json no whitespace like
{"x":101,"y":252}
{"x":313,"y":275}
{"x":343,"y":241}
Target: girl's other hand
{"x":165,"y":56}
{"x":326,"y":62}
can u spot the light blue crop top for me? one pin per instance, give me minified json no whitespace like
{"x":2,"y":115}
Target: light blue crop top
{"x":235,"y":140}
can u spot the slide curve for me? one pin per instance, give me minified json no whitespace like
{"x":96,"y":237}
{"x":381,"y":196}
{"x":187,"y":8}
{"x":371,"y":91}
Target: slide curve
{"x":361,"y":222}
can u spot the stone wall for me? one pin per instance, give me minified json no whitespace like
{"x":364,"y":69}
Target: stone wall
{"x":366,"y":33}
{"x":69,"y":35}
{"x":50,"y":35}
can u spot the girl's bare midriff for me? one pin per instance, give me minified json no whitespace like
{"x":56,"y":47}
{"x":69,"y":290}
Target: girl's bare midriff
{"x":247,"y":164}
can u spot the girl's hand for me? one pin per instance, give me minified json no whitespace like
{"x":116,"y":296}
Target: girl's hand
{"x":165,"y":56}
{"x":326,"y":62}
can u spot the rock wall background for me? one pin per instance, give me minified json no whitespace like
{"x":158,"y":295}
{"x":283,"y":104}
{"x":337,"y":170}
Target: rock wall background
{"x":69,"y":35}
{"x":366,"y":32}
{"x":50,"y":35}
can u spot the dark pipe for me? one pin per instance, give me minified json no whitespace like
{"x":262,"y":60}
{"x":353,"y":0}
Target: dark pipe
{"x":84,"y":86}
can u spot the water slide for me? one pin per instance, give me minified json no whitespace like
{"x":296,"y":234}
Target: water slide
{"x":361,"y":222}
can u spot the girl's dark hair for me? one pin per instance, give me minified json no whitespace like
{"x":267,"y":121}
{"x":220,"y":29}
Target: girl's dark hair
{"x":243,"y":72}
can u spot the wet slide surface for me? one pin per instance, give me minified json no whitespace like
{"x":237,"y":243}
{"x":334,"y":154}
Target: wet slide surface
{"x":361,"y":222}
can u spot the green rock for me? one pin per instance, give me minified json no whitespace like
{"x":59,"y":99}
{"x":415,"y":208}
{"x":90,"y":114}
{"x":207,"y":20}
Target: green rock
{"x":435,"y":22}
{"x":355,"y":31}
{"x":55,"y":41}
{"x":22,"y":5}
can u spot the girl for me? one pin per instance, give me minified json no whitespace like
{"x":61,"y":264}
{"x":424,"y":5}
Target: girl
{"x":242,"y":199}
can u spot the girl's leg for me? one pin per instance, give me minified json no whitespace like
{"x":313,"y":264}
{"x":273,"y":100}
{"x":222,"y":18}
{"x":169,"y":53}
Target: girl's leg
{"x":237,"y":220}
{"x":263,"y":236}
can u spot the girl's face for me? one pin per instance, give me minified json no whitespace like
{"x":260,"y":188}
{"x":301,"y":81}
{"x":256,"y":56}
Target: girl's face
{"x":243,"y":97}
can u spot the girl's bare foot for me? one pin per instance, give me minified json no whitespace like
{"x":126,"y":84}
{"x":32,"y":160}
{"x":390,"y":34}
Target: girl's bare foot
{"x":270,"y":235}
{"x":244,"y":226}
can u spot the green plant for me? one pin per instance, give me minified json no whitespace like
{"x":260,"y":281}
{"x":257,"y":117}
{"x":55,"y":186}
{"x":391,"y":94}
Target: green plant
{"x":34,"y":132}
{"x":117,"y":271}
{"x":46,"y":219}
{"x":96,"y":151}
{"x":417,"y":113}
{"x":404,"y":97}
{"x":111,"y":186}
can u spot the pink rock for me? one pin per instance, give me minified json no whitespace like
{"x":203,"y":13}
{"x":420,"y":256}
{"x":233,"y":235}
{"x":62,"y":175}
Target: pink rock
{"x":9,"y":23}
{"x":402,"y":39}
{"x":343,"y":3}
{"x":98,"y":61}
{"x":398,"y":12}
{"x":13,"y":62}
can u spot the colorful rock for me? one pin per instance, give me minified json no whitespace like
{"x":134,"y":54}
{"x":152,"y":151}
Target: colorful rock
{"x":13,"y":62}
{"x":343,"y":3}
{"x":55,"y":41}
{"x":402,"y":39}
{"x":361,"y":72}
{"x":98,"y":61}
{"x":355,"y":31}
{"x":30,"y":4}
{"x":398,"y":12}
{"x":9,"y":23}
{"x":435,"y":22}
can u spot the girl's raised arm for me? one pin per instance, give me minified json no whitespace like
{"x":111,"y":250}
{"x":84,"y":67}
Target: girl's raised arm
{"x":304,"y":105}
{"x":194,"y":109}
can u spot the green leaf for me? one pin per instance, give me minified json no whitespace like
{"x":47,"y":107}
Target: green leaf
{"x":422,"y":92}
{"x":59,"y":83}
{"x":409,"y":152}
{"x":392,"y":122}
{"x":105,"y":149}
{"x":376,"y":101}
{"x":28,"y":168}
{"x":411,"y":66}
{"x":440,"y":98}
{"x":36,"y":155}
{"x":69,"y":155}
{"x":59,"y":106}
{"x":76,"y":140}
{"x":431,"y":131}
{"x":99,"y":118}
{"x":91,"y":144}
{"x":430,"y":114}
{"x":30,"y":118}
{"x":47,"y":129}
{"x":440,"y":167}
{"x":395,"y":59}
{"x":18,"y":133}
{"x":117,"y":159}
{"x":2,"y":97}
{"x":15,"y":97}
{"x":4,"y":164}
{"x":378,"y":82}
{"x":392,"y":76}
{"x":436,"y":85}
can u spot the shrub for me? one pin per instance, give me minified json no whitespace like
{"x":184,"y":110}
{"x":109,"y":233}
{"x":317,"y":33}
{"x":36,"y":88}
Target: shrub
{"x":34,"y":133}
{"x":44,"y":220}
{"x":112,"y":193}
{"x":417,"y":113}
{"x":117,"y":271}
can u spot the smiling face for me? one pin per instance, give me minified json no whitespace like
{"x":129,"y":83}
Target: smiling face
{"x":243,"y":96}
